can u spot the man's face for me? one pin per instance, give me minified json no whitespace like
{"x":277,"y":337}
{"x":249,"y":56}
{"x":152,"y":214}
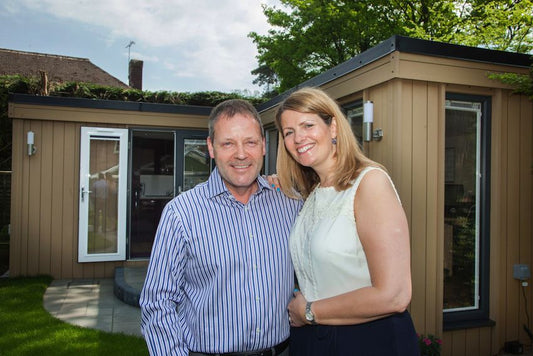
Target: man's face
{"x":238,"y":149}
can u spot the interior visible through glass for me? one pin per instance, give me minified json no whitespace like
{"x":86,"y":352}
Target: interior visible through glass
{"x":461,"y":196}
{"x":103,"y":207}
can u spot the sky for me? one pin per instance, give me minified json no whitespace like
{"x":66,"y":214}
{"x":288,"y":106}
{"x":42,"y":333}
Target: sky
{"x":185,"y":45}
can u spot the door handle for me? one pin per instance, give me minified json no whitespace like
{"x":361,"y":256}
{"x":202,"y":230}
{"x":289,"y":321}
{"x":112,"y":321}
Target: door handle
{"x":83,"y":192}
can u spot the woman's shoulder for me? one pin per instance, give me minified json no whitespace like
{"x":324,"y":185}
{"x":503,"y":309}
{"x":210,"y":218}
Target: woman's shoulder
{"x":363,"y":171}
{"x":376,"y":180}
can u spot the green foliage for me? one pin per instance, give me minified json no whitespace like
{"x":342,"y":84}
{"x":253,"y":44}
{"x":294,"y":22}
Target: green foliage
{"x":315,"y":36}
{"x":522,"y":84}
{"x":22,"y":85}
{"x":28,"y":329}
{"x":309,"y":37}
{"x":505,"y":25}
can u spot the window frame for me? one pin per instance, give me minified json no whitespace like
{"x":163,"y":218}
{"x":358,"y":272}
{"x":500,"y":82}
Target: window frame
{"x":453,"y":320}
{"x":350,"y":106}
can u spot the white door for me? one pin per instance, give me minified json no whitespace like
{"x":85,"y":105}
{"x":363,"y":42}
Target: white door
{"x":102,"y":195}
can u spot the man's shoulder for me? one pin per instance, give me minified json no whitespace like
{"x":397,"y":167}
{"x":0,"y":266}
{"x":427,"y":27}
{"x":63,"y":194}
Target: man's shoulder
{"x":277,"y":196}
{"x":196,"y":193}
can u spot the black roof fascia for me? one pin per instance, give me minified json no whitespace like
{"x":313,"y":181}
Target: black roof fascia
{"x":109,"y":104}
{"x":408,"y":45}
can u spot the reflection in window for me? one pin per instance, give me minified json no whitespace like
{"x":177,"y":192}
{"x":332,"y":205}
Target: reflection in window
{"x":354,"y":114}
{"x":103,"y":207}
{"x":461,"y":258}
{"x":196,"y":162}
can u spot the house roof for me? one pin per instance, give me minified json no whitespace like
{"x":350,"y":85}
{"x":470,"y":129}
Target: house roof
{"x":407,"y":45}
{"x":58,"y":68}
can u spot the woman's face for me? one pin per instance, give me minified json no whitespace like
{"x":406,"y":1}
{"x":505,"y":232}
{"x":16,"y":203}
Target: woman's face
{"x":308,"y":139}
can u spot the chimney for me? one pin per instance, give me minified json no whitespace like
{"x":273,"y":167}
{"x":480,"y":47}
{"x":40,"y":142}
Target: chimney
{"x":135,"y":74}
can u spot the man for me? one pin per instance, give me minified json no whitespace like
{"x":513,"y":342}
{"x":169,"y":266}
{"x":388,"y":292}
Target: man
{"x":220,"y":275}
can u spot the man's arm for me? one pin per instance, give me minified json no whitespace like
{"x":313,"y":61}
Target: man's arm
{"x":161,"y":292}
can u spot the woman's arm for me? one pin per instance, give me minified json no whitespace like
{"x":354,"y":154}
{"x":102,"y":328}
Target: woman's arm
{"x":384,"y":234}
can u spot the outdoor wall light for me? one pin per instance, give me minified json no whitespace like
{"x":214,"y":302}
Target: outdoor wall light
{"x":31,"y":140}
{"x":369,"y":133}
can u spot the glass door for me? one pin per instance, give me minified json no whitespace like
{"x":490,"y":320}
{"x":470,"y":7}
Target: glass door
{"x":163,"y":164}
{"x":152,"y":186}
{"x":102,"y":195}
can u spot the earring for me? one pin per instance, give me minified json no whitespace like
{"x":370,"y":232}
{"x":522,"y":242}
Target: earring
{"x":334,"y":140}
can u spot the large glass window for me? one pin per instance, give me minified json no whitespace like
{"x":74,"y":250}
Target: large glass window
{"x":164,"y":163}
{"x":466,"y":206}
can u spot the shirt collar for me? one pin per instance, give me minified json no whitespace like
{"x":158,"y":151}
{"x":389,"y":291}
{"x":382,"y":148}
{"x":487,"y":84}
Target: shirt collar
{"x":216,"y":186}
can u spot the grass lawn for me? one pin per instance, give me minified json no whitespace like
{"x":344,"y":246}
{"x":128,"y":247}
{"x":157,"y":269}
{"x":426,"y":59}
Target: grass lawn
{"x":26,"y":328}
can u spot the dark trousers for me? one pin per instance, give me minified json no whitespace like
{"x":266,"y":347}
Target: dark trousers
{"x":391,"y":336}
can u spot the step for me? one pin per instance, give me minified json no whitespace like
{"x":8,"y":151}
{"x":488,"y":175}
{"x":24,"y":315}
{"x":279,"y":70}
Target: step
{"x":128,"y":283}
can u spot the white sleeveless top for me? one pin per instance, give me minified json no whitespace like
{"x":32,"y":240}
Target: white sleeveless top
{"x":326,"y":251}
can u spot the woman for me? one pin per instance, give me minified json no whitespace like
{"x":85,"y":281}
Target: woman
{"x":350,"y":243}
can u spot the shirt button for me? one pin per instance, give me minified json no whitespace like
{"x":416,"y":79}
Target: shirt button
{"x":258,"y":331}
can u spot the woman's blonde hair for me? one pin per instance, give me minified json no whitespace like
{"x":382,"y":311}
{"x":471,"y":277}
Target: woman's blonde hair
{"x":296,"y":179}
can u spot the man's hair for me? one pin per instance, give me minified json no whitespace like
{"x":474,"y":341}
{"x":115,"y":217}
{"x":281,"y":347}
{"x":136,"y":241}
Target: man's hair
{"x":230,"y":108}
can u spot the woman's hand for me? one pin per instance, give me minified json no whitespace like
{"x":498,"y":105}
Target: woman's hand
{"x":273,"y":180}
{"x":297,"y":310}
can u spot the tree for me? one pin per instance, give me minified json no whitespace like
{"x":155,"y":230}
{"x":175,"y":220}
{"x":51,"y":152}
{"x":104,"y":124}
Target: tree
{"x":311,"y":36}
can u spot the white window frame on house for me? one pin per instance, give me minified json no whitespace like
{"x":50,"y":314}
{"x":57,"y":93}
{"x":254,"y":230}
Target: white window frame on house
{"x":120,"y":136}
{"x":476,"y":314}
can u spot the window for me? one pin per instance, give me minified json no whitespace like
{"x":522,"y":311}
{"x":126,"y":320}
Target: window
{"x":271,"y":136}
{"x":354,"y":114}
{"x":163,"y":163}
{"x":466,"y":211}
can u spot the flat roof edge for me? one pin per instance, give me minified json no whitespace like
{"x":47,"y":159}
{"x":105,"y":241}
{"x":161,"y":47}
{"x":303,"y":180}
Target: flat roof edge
{"x":455,"y":51}
{"x":109,"y":104}
{"x":352,"y":64}
{"x":408,"y":45}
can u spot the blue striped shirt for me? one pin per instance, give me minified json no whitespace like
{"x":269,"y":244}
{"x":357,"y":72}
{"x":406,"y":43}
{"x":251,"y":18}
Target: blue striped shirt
{"x":220,"y":275}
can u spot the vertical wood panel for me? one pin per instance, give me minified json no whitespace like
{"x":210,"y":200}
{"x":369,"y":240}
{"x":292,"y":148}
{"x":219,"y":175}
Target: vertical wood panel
{"x":402,"y":175}
{"x":24,"y":206}
{"x":398,"y":119}
{"x":45,"y":206}
{"x":69,"y":258}
{"x":405,"y":148}
{"x":17,"y":192}
{"x":447,"y":341}
{"x":525,"y":164}
{"x":513,"y":219}
{"x":485,"y":342}
{"x":459,"y":343}
{"x":419,"y":139}
{"x":434,"y":251}
{"x":389,"y":123}
{"x":56,"y":249}
{"x":34,"y":202}
{"x":472,"y":342}
{"x":497,"y":217}
{"x":439,"y":303}
{"x":73,"y":193}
